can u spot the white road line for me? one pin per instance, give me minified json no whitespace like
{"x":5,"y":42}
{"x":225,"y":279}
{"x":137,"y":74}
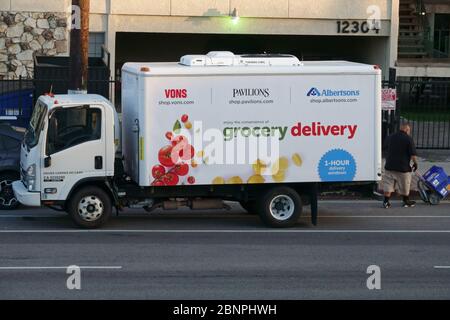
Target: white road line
{"x":350,"y":201}
{"x":16,"y":216}
{"x":222,"y":231}
{"x":61,"y":267}
{"x":373,"y":216}
{"x":442,"y":267}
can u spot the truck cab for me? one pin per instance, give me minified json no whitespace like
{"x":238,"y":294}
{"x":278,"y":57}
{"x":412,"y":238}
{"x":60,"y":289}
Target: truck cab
{"x":70,"y":143}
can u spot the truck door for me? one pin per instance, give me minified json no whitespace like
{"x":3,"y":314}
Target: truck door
{"x":75,"y":149}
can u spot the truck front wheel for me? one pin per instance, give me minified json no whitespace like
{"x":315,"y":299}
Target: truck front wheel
{"x":90,"y":207}
{"x":280,"y":207}
{"x":8,"y":200}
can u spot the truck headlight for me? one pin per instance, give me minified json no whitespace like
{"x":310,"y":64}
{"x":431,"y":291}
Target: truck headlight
{"x":30,"y":178}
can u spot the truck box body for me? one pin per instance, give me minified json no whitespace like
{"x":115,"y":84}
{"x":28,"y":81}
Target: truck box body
{"x":324,"y":119}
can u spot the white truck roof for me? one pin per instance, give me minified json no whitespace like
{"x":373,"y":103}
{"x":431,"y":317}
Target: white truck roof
{"x":225,"y":63}
{"x":73,"y":99}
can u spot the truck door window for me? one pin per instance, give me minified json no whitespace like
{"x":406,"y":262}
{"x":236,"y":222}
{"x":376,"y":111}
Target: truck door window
{"x":69,"y":127}
{"x":34,"y":129}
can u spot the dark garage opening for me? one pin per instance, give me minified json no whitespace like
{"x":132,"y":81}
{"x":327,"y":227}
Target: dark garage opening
{"x":163,"y":47}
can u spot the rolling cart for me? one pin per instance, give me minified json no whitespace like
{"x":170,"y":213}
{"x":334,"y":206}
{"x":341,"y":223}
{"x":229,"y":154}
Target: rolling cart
{"x":433,"y":185}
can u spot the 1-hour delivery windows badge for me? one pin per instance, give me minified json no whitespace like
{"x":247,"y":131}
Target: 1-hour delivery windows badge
{"x":313,"y":92}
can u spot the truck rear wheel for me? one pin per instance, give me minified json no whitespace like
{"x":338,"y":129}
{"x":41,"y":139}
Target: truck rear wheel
{"x":90,"y":207}
{"x":280,"y":207}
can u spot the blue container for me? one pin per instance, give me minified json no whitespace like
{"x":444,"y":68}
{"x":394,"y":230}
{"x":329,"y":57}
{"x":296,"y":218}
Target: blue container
{"x":438,"y":180}
{"x":17,"y":104}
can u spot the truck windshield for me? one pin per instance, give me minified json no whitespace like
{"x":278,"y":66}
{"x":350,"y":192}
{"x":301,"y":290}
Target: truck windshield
{"x":34,"y":129}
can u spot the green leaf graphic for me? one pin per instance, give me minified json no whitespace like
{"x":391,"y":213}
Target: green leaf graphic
{"x":177,"y":127}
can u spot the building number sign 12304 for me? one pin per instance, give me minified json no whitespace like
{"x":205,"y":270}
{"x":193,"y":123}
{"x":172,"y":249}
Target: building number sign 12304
{"x":345,"y":26}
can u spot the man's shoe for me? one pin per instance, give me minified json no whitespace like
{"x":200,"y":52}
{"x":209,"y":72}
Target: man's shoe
{"x":409,"y":204}
{"x":386,"y":204}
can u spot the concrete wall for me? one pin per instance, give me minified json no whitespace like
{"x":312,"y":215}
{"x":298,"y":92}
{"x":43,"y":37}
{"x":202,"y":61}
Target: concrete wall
{"x":432,"y":70}
{"x":321,"y":9}
{"x":295,"y":17}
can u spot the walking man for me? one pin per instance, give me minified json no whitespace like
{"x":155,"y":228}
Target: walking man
{"x":401,"y":151}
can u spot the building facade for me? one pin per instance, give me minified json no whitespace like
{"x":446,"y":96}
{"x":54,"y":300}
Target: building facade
{"x":163,"y":30}
{"x":424,"y":33}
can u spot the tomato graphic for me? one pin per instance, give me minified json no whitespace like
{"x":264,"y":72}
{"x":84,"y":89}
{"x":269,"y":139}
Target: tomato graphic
{"x":169,"y":135}
{"x":181,"y":169}
{"x":184,"y":118}
{"x":158,"y":171}
{"x":170,"y":179}
{"x":182,"y":140}
{"x":187,"y":152}
{"x":166,"y":157}
{"x":158,"y":183}
{"x":191,"y":180}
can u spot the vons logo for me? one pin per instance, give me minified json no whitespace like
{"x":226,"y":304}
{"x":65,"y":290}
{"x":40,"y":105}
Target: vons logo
{"x":251,"y":92}
{"x":175,"y":93}
{"x":314,"y":92}
{"x":175,"y":97}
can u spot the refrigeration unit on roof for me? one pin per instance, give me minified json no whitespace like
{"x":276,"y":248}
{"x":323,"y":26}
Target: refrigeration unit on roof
{"x":227,"y":58}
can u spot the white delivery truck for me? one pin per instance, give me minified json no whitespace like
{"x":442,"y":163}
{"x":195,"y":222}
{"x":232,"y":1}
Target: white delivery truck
{"x":264,"y":130}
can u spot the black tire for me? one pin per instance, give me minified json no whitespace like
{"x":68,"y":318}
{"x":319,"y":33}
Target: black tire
{"x":290,"y":204}
{"x":7,"y":199}
{"x":249,"y":206}
{"x":434,"y":198}
{"x":423,"y":191}
{"x":90,"y":207}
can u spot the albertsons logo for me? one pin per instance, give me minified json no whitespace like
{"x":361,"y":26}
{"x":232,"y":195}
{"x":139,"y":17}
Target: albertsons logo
{"x":314,"y":92}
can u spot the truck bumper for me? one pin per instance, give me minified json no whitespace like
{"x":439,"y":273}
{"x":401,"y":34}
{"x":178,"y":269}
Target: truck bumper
{"x":25,"y":197}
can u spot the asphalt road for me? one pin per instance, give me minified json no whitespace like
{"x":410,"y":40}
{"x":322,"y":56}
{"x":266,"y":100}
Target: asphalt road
{"x":230,"y":255}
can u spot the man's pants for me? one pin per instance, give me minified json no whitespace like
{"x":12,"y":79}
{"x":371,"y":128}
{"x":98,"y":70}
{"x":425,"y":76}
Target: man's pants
{"x":400,"y":181}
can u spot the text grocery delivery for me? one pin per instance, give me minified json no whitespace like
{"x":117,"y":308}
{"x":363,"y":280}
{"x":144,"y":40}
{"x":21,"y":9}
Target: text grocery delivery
{"x":314,"y":129}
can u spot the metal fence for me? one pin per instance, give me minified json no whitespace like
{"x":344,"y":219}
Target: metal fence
{"x":17,"y":97}
{"x":425,"y":104}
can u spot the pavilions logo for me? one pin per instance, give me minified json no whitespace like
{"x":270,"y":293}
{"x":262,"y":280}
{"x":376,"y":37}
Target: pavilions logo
{"x":251,"y":92}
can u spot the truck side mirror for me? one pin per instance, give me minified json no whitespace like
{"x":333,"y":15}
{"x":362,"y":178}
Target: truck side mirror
{"x":47,"y":161}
